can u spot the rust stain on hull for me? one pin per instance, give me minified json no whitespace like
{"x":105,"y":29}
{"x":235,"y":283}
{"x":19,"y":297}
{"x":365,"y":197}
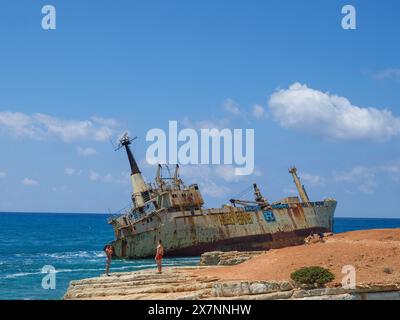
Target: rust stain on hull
{"x":247,"y":243}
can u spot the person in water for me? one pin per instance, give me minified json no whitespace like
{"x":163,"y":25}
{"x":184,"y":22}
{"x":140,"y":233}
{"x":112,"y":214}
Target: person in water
{"x":159,"y":256}
{"x":109,"y":250}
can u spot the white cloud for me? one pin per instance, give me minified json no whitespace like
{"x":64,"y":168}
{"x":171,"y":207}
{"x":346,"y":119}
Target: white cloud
{"x":388,"y":74}
{"x":29,"y":182}
{"x":108,"y":178}
{"x":258,"y":111}
{"x":61,"y":189}
{"x":290,"y":191}
{"x":224,"y":172}
{"x":332,"y":116}
{"x":107,"y":122}
{"x":227,"y":173}
{"x":203,"y":175}
{"x":364,"y":178}
{"x":86,"y":151}
{"x":311,"y":179}
{"x":205,"y":124}
{"x":214,"y":190}
{"x":123,"y":178}
{"x":231,"y":106}
{"x":18,"y":124}
{"x":69,"y":171}
{"x":2,"y":174}
{"x":393,"y":170}
{"x":207,"y":177}
{"x":195,"y":171}
{"x":42,"y":126}
{"x":257,"y":172}
{"x":93,"y":175}
{"x":72,"y":172}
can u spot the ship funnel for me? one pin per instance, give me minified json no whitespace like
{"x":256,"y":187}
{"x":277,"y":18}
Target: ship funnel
{"x":140,"y":189}
{"x":302,"y":192}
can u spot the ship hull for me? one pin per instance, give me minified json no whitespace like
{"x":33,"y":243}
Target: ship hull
{"x":250,"y":243}
{"x":191,"y":233}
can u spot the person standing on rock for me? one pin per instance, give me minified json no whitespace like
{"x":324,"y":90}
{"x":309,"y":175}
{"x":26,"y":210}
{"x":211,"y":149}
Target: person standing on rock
{"x":109,"y":253}
{"x":159,"y":256}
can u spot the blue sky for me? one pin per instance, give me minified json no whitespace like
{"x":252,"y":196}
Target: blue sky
{"x":329,"y":97}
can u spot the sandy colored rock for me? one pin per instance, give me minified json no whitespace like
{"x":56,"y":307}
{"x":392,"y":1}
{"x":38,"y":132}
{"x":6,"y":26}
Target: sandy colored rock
{"x":369,"y":251}
{"x":229,"y":258}
{"x":173,"y":283}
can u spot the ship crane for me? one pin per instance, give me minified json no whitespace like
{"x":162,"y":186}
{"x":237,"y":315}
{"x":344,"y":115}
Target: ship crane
{"x":246,"y":202}
{"x":259,"y":199}
{"x":300,"y":188}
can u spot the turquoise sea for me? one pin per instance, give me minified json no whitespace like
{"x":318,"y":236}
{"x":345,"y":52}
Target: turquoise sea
{"x":73,"y":243}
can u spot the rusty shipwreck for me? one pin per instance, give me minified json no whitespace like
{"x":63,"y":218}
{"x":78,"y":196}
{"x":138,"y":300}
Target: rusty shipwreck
{"x":173,"y":212}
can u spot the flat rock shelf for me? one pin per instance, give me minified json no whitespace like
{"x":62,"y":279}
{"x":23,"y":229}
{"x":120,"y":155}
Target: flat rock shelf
{"x":179,"y":283}
{"x":264,"y":275}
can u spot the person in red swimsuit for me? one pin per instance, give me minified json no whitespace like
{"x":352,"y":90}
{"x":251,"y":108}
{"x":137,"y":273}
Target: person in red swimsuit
{"x":109,"y":250}
{"x":159,"y":256}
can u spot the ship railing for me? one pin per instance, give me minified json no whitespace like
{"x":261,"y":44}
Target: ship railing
{"x":313,"y":204}
{"x":122,"y":212}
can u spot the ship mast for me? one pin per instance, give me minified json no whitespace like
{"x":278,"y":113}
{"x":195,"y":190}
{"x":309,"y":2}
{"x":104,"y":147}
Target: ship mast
{"x":302,"y":191}
{"x":140,"y":189}
{"x":177,"y":180}
{"x":125,"y":142}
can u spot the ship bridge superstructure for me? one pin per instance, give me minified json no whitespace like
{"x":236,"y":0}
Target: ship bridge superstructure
{"x":167,"y":194}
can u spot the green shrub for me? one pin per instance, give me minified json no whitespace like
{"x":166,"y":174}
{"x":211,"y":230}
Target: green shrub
{"x":312,"y":275}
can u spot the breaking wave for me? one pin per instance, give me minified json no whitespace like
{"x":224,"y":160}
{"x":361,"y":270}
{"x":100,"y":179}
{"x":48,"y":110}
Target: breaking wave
{"x":20,"y":274}
{"x":132,"y":266}
{"x":75,"y":254}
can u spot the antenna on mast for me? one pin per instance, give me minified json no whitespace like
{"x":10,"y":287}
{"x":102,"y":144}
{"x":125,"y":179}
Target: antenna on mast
{"x":125,"y":141}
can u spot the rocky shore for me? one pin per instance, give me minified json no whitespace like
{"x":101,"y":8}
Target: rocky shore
{"x":265,"y":275}
{"x":181,"y":284}
{"x":230,"y":258}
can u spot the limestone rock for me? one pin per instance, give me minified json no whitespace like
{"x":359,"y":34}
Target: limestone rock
{"x":180,"y":283}
{"x":227,"y":258}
